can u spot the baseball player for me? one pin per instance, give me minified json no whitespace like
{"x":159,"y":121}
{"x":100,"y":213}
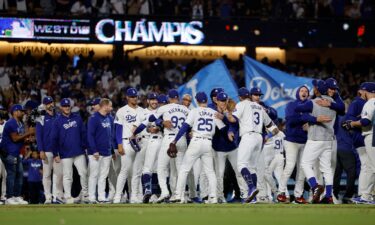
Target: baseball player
{"x":3,"y":172}
{"x":186,"y":100}
{"x":69,"y":140}
{"x":320,"y":141}
{"x":366,"y":122}
{"x":354,"y":114}
{"x":44,"y":128}
{"x":173,"y":115}
{"x":251,"y":117}
{"x":226,"y":149}
{"x":126,"y":119}
{"x":100,"y":136}
{"x":203,"y":121}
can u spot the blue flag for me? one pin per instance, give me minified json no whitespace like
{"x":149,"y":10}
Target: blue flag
{"x":211,"y":76}
{"x":278,"y":87}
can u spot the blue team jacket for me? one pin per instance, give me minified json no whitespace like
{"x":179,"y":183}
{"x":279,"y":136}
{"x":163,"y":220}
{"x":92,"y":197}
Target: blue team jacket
{"x":354,"y":113}
{"x":43,"y":133}
{"x":69,"y":136}
{"x":100,"y":134}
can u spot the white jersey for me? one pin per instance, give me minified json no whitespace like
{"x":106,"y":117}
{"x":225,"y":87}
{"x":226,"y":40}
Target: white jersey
{"x":368,"y":112}
{"x":277,"y":142}
{"x":129,"y":118}
{"x":1,"y":131}
{"x":203,"y":122}
{"x":147,"y":114}
{"x":251,"y":117}
{"x":175,"y":113}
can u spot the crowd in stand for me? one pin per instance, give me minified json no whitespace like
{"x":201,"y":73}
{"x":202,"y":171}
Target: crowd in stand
{"x":198,"y":9}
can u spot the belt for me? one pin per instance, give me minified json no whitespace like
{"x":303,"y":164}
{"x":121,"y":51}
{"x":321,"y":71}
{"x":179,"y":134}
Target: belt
{"x":172,"y":134}
{"x":203,"y":138}
{"x":155,"y":137}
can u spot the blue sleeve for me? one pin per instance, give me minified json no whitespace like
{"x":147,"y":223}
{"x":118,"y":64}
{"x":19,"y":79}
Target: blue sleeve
{"x":307,"y":118}
{"x":306,"y":107}
{"x":139,"y":129}
{"x":152,"y":118}
{"x":159,"y":122}
{"x":351,"y":113}
{"x":290,"y":116}
{"x":39,"y":137}
{"x":118,"y":129}
{"x":55,"y":138}
{"x":365,"y":122}
{"x":91,"y":127}
{"x":338,"y":105}
{"x":184,"y":128}
{"x":113,"y":136}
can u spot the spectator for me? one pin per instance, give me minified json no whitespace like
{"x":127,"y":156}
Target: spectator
{"x":146,"y":7}
{"x":79,"y":8}
{"x":118,"y":7}
{"x":62,"y":7}
{"x":134,"y":6}
{"x":197,"y":9}
{"x":101,"y":7}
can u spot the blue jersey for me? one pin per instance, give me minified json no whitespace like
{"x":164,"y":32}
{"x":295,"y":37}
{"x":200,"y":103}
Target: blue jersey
{"x":100,"y":134}
{"x":44,"y":129}
{"x":69,"y":136}
{"x":11,"y":147}
{"x":344,"y":139}
{"x":34,"y":170}
{"x":220,"y":141}
{"x":354,"y":113}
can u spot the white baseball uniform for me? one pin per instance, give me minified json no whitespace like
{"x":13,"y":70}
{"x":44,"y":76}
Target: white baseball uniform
{"x":3,"y":172}
{"x":128,"y":117}
{"x":203,"y":122}
{"x":177,"y":114}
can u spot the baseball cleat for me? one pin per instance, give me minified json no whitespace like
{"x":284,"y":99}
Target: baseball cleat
{"x":281,"y":198}
{"x":252,"y":195}
{"x":300,"y":200}
{"x":317,"y":191}
{"x":146,"y":198}
{"x":163,"y":199}
{"x":48,"y":201}
{"x":327,"y":200}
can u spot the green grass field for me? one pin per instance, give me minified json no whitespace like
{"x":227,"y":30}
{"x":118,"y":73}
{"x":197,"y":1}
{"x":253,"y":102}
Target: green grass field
{"x":190,"y":214}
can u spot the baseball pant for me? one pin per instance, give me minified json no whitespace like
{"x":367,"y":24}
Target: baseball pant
{"x":168,"y":166}
{"x":320,"y":151}
{"x":221,"y":159}
{"x":345,"y":161}
{"x":369,"y":183}
{"x":200,"y":178}
{"x":248,"y":151}
{"x":198,"y":148}
{"x":114,"y":170}
{"x":3,"y":175}
{"x":126,"y":167}
{"x":153,"y":147}
{"x":365,"y":173}
{"x":51,"y":167}
{"x":99,"y":169}
{"x":293,"y":155}
{"x":139,"y":161}
{"x":81,"y":165}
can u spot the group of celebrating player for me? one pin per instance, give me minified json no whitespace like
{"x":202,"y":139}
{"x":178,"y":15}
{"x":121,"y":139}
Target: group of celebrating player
{"x":176,"y":147}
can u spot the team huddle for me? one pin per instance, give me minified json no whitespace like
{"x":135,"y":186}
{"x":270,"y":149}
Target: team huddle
{"x":171,"y":152}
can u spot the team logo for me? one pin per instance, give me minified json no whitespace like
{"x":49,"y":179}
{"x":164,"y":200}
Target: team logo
{"x":70,"y":125}
{"x":130,"y":118}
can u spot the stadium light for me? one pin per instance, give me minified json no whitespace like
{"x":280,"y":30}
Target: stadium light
{"x":300,"y":44}
{"x":345,"y":26}
{"x":257,"y":32}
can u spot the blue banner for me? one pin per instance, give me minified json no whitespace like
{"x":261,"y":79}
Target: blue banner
{"x":211,"y":76}
{"x":278,"y":87}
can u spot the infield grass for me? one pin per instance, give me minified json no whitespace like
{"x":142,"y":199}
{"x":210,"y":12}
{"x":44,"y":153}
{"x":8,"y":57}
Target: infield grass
{"x":189,"y":214}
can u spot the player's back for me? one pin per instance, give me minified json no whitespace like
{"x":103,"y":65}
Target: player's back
{"x":175,"y":113}
{"x":203,"y":122}
{"x":322,"y":131}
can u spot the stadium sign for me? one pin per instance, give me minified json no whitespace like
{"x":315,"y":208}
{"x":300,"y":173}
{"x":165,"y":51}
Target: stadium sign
{"x":143,"y":31}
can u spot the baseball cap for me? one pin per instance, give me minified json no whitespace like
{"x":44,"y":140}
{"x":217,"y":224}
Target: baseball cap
{"x":201,"y":97}
{"x":47,"y":100}
{"x":243,"y":92}
{"x":331,"y":83}
{"x":152,"y":95}
{"x":368,"y":86}
{"x":315,"y":82}
{"x":65,"y":102}
{"x":222,"y":96}
{"x":131,"y":92}
{"x":162,"y":99}
{"x":322,"y":87}
{"x":16,"y":107}
{"x":95,"y":101}
{"x":173,"y":93}
{"x":216,"y":91}
{"x":255,"y":91}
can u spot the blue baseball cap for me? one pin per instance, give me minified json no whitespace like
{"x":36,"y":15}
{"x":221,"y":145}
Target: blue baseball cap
{"x":332,"y":83}
{"x":222,"y":96}
{"x":315,"y":82}
{"x":47,"y":100}
{"x":243,"y":92}
{"x":255,"y":91}
{"x":65,"y":102}
{"x":216,"y":91}
{"x":162,"y":99}
{"x":131,"y":92}
{"x":95,"y":101}
{"x":173,"y":93}
{"x":322,"y":87}
{"x":152,"y":95}
{"x":201,"y":97}
{"x":16,"y":107}
{"x":368,"y":86}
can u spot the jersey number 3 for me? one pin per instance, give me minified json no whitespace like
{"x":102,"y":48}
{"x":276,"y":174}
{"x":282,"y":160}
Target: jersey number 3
{"x":256,"y":118}
{"x":205,"y":124}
